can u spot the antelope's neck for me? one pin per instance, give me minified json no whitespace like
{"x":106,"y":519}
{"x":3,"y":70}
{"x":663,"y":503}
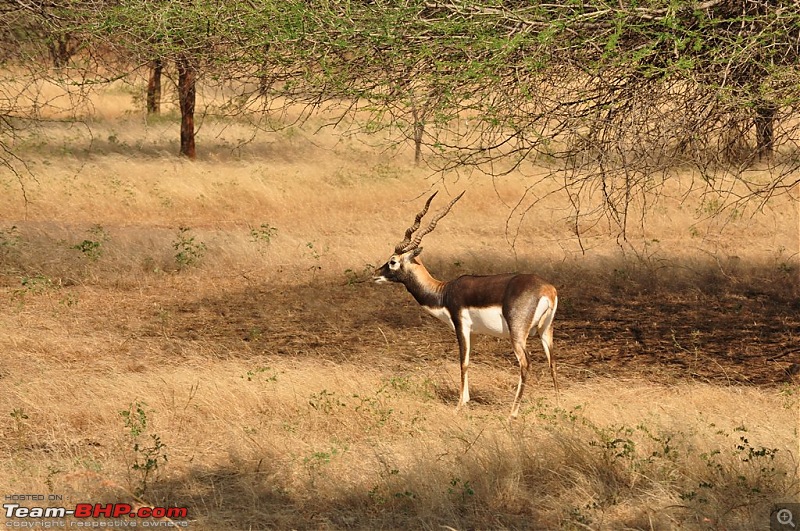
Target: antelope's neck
{"x":425,"y":289}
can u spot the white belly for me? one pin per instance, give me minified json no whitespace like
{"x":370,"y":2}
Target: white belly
{"x":477,"y":320}
{"x":442,"y":314}
{"x":485,"y":321}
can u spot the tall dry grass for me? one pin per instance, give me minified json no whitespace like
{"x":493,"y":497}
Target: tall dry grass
{"x":311,"y":445}
{"x":324,"y":433}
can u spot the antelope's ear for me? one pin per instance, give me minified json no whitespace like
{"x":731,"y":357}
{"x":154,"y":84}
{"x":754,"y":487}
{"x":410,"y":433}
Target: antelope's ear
{"x":416,"y":252}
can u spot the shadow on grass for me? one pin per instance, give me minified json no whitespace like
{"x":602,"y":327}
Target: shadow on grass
{"x":685,"y":322}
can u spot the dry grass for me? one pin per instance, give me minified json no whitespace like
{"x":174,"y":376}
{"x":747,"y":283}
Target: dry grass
{"x":289,"y":394}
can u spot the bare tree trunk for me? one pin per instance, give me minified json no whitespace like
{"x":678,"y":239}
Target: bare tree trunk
{"x":264,"y":79}
{"x":419,"y":132}
{"x":154,"y":87}
{"x":765,"y":129}
{"x":187,"y":78}
{"x":61,"y":49}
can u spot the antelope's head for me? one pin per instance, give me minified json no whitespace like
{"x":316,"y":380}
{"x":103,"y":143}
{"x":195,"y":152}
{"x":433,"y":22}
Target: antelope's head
{"x":401,"y":264}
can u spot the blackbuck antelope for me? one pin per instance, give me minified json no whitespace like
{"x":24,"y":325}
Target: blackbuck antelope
{"x":507,"y":305}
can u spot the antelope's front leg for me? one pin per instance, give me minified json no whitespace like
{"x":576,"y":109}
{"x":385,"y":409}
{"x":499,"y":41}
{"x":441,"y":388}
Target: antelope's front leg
{"x":463,"y":335}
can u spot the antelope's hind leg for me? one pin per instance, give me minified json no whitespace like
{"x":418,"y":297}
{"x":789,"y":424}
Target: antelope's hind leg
{"x":545,"y":330}
{"x":522,"y":357}
{"x":539,"y":317}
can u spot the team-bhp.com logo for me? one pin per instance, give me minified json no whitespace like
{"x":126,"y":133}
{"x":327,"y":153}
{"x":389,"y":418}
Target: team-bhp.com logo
{"x":120,"y":514}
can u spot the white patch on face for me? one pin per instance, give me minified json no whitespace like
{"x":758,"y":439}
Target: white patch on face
{"x":486,"y":321}
{"x":380,"y":280}
{"x":442,"y":314}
